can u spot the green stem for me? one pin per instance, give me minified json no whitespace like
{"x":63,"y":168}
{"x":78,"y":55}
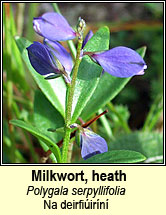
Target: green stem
{"x":66,"y":144}
{"x":106,"y":125}
{"x":123,"y":123}
{"x":69,"y":156}
{"x":72,"y":48}
{"x":70,"y":90}
{"x":69,"y":101}
{"x":56,"y":8}
{"x":73,"y":82}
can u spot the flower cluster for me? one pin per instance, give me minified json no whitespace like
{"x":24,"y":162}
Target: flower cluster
{"x":120,"y":61}
{"x":51,"y":60}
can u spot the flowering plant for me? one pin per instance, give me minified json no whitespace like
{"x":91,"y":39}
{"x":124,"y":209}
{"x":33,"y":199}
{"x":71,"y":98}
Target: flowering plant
{"x":76,"y":85}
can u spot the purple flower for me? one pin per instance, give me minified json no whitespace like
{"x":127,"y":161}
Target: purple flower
{"x":61,"y":54}
{"x":46,"y":60}
{"x":87,"y":37}
{"x":40,"y":59}
{"x":91,"y":144}
{"x":53,"y":26}
{"x":121,"y":62}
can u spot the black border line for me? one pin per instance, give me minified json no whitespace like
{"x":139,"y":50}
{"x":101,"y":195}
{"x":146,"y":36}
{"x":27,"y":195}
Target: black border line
{"x":79,"y":164}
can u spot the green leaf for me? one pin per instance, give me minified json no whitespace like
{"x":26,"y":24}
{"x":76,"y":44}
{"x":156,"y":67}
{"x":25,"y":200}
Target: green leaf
{"x":39,"y":134}
{"x":141,"y":51}
{"x":148,"y":143}
{"x":13,"y":62}
{"x":99,"y":41}
{"x":89,"y":72}
{"x":46,"y":116}
{"x":117,"y":156}
{"x":54,"y":89}
{"x":107,"y":88}
{"x":87,"y":80}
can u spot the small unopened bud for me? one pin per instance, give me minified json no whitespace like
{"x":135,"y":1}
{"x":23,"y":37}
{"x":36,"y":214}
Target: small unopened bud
{"x":80,"y":26}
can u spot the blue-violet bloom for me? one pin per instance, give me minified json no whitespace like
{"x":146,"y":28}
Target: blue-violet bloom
{"x":87,"y":38}
{"x":121,"y":62}
{"x":53,"y":26}
{"x":60,"y":53}
{"x":50,"y":60}
{"x":91,"y":144}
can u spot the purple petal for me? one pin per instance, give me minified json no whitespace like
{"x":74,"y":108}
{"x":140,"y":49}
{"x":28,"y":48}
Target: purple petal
{"x":92,"y":144}
{"x":53,"y":26}
{"x":40,"y":59}
{"x":121,"y":62}
{"x":88,"y":36}
{"x":61,"y":54}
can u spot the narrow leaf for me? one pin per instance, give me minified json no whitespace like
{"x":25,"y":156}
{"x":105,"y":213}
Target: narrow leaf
{"x":148,"y":143}
{"x":45,"y":119}
{"x":99,"y":41}
{"x":117,"y":156}
{"x":37,"y":133}
{"x":107,"y":88}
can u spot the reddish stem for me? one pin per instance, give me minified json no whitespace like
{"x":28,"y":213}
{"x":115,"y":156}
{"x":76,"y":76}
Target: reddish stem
{"x":85,"y":125}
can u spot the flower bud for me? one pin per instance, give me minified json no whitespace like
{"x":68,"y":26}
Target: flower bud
{"x":80,"y":27}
